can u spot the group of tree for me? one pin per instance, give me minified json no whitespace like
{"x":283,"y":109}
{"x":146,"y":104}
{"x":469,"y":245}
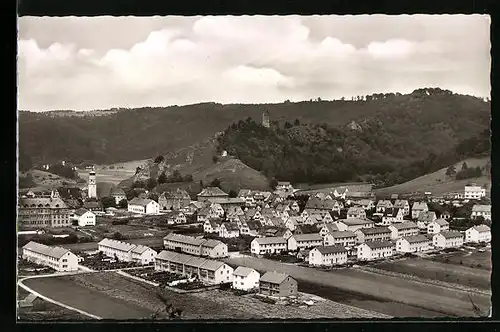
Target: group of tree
{"x":176,"y":176}
{"x":318,"y":153}
{"x":63,"y":170}
{"x":465,"y":172}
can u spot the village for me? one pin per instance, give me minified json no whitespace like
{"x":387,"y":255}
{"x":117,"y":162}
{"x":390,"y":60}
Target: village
{"x":324,"y":229}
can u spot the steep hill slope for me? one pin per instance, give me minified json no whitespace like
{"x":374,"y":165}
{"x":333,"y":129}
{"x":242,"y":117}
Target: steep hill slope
{"x":43,"y":180}
{"x":438,"y":182}
{"x":432,"y":117}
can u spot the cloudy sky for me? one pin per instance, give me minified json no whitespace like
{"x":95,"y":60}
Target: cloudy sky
{"x":105,"y":62}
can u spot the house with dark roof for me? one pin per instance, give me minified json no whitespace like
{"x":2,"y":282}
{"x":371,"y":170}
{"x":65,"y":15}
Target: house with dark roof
{"x":211,"y":192}
{"x":304,"y":241}
{"x":373,"y":234}
{"x":481,"y":210}
{"x":328,"y":255}
{"x":353,"y":224}
{"x":174,"y":199}
{"x":417,"y":208}
{"x":356,"y":213}
{"x":118,"y":194}
{"x":448,"y":239}
{"x":268,"y":245}
{"x":212,"y":225}
{"x":229,"y":230}
{"x":478,"y":234}
{"x":438,"y":226}
{"x":425,"y":218}
{"x":92,"y":205}
{"x":57,"y":258}
{"x":245,"y":278}
{"x":195,"y":246}
{"x":40,"y":212}
{"x":403,"y":229}
{"x":404,"y":205}
{"x":382,"y":205}
{"x":375,"y":250}
{"x":392,"y":215}
{"x":277,"y":285}
{"x":83,"y":217}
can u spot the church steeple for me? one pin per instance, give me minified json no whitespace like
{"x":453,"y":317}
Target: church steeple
{"x":265,"y":119}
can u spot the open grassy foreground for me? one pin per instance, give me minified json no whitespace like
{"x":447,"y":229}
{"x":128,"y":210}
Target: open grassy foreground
{"x":46,"y":311}
{"x":400,"y":297}
{"x":112,"y":296}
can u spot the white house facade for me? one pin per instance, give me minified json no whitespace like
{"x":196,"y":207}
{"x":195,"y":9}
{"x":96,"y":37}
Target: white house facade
{"x":478,"y":234}
{"x":414,"y":243}
{"x":328,"y":256}
{"x":245,"y":278}
{"x":57,"y":258}
{"x":448,"y":239}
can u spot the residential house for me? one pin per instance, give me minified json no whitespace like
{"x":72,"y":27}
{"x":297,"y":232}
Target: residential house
{"x":474,"y":192}
{"x":328,"y":255}
{"x":92,"y":205}
{"x":118,"y":194}
{"x":344,"y":238}
{"x":356,"y":212}
{"x":216,"y":210}
{"x":229,"y":230}
{"x":143,"y":206}
{"x":446,"y":215}
{"x":340,"y":192}
{"x":277,"y":285}
{"x":404,"y":229}
{"x":268,"y":245}
{"x":479,"y":210}
{"x":304,"y":241}
{"x":206,"y":270}
{"x":272,"y":231}
{"x":83,"y":218}
{"x":425,"y":218}
{"x":195,"y":246}
{"x":292,"y":222}
{"x":478,"y":234}
{"x":174,"y":199}
{"x":415,"y":243}
{"x":438,"y":226}
{"x":253,"y":227}
{"x":404,"y":205}
{"x":284,"y":186}
{"x":40,"y":212}
{"x":417,"y":208}
{"x":57,"y":258}
{"x":366,"y":204}
{"x":353,"y":224}
{"x":448,"y":239}
{"x":143,"y":255}
{"x":294,"y":206}
{"x":212,"y":226}
{"x":392,"y":215}
{"x":373,"y":234}
{"x":328,"y":228}
{"x":245,"y":278}
{"x":375,"y":250}
{"x":227,"y":202}
{"x":382,"y":205}
{"x":211,"y":192}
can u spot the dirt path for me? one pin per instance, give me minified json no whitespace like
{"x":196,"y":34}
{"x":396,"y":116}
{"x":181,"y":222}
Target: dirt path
{"x":436,"y":299}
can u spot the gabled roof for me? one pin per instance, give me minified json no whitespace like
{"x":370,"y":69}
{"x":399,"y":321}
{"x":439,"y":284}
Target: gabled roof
{"x":245,"y":193}
{"x":404,"y":225}
{"x":355,"y":209}
{"x":379,"y":244}
{"x":355,"y":221}
{"x":139,"y":249}
{"x":481,"y":228}
{"x":211,"y":265}
{"x":401,"y":203}
{"x":196,"y":261}
{"x":42,"y":202}
{"x":331,"y":227}
{"x":308,"y":237}
{"x":384,"y":203}
{"x":184,"y":239}
{"x":427,"y":216}
{"x":451,"y":234}
{"x":243,"y":271}
{"x":274,"y":277}
{"x":325,"y":250}
{"x":140,"y":201}
{"x":226,"y":200}
{"x":342,"y":234}
{"x":391,"y":212}
{"x":212,"y":192}
{"x":178,"y":193}
{"x":441,"y":222}
{"x":417,"y":238}
{"x":55,"y":252}
{"x":374,"y":230}
{"x":117,"y":191}
{"x":254,"y":225}
{"x":270,"y":240}
{"x":166,"y":255}
{"x":211,"y":243}
{"x":481,"y":208}
{"x":81,"y":212}
{"x":118,"y":245}
{"x":230,"y":226}
{"x":419,"y":206}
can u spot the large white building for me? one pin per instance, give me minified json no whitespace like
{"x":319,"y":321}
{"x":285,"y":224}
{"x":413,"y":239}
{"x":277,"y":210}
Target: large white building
{"x":245,"y":278}
{"x":207,"y":270}
{"x":304,"y":241}
{"x":375,"y":250}
{"x":143,"y":206}
{"x":478,"y":234}
{"x":448,"y":239}
{"x":373,"y":234}
{"x":353,"y":224}
{"x":474,"y":192}
{"x":480,"y":210}
{"x":268,"y":245}
{"x":438,"y":226}
{"x":344,"y":238}
{"x":83,"y":217}
{"x":328,"y":256}
{"x":57,"y":258}
{"x":126,"y":252}
{"x":415,"y":243}
{"x":403,"y":229}
{"x":195,"y":246}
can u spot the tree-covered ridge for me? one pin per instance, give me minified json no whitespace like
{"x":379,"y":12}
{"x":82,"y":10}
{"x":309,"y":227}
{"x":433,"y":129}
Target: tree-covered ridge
{"x":322,"y":154}
{"x":435,"y":117}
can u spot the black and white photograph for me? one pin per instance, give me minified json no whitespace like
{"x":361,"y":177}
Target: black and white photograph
{"x":179,"y":168}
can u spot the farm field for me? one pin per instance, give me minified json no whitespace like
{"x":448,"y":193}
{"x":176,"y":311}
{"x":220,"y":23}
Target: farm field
{"x":115,"y":175}
{"x":483,"y":259}
{"x":435,"y":300}
{"x":428,"y":269}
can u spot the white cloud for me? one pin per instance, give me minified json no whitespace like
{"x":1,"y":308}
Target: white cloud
{"x":237,"y":59}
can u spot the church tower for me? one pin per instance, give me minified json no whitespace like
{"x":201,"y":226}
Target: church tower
{"x":92,"y":191}
{"x":265,"y":119}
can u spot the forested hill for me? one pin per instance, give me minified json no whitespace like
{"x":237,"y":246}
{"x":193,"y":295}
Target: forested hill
{"x":373,"y":150}
{"x":398,"y":126}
